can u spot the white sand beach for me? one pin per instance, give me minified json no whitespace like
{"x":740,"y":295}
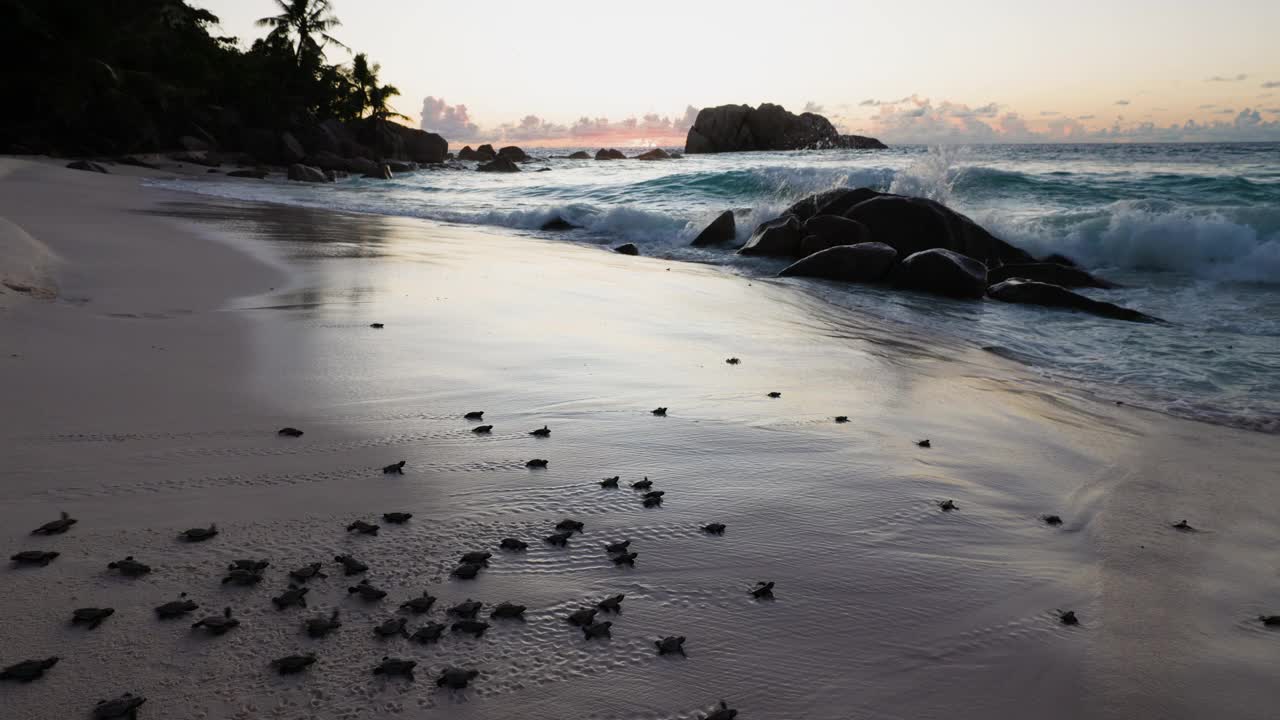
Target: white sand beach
{"x":162,"y":339}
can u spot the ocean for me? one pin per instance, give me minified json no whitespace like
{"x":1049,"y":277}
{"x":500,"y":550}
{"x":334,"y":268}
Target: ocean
{"x":1191,"y":231}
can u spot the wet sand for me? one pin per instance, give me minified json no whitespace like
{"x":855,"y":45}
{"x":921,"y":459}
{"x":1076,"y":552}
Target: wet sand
{"x":145,"y":397}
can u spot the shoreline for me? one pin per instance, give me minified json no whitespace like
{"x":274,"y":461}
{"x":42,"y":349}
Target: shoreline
{"x":880,"y":594}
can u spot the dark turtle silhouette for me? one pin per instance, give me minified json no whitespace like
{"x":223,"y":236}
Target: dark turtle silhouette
{"x":90,"y":617}
{"x":350,"y":565}
{"x":618,"y":547}
{"x":611,"y":604}
{"x":644,"y":484}
{"x":775,"y":395}
{"x":474,"y":415}
{"x":466,"y":571}
{"x":508,"y":610}
{"x":307,"y":572}
{"x":713,"y":528}
{"x":363,"y":528}
{"x":513,"y":545}
{"x":198,"y":534}
{"x":176,"y":608}
{"x":289,"y":432}
{"x":474,"y":628}
{"x":567,"y":525}
{"x":217,"y":624}
{"x":1184,"y":526}
{"x":476,"y":557}
{"x":924,"y":443}
{"x":536,"y":463}
{"x":1270,"y":620}
{"x":733,"y":361}
{"x":625,"y":559}
{"x":251,"y":565}
{"x":652,"y":494}
{"x":610,"y":483}
{"x":842,"y":418}
{"x":318,"y":627}
{"x":429,"y":633}
{"x":670,"y":645}
{"x":397,"y":518}
{"x":1053,"y":520}
{"x":456,"y":678}
{"x":394,"y":626}
{"x":129,"y":567}
{"x":582,"y":617}
{"x":482,"y":429}
{"x":376,"y":326}
{"x":28,"y":670}
{"x":33,"y":557}
{"x":419,"y":604}
{"x":395,"y":468}
{"x":293,"y":596}
{"x":290,"y":664}
{"x":1068,"y":617}
{"x":723,"y":712}
{"x":762,"y":590}
{"x":467,"y":609}
{"x":126,"y":707}
{"x":543,"y":431}
{"x":242,"y":577}
{"x":560,"y":539}
{"x":366,"y":591}
{"x":396,"y":666}
{"x":597,"y":630}
{"x":660,"y":412}
{"x":947,"y":505}
{"x":55,"y":527}
{"x":651,"y":502}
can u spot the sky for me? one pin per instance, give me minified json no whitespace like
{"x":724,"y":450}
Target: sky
{"x":586,"y":72}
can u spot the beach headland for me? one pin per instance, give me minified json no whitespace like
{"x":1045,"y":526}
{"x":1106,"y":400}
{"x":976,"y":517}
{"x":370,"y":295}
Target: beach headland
{"x":144,"y":392}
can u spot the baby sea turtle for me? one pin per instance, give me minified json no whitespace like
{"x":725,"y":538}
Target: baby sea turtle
{"x":536,"y":463}
{"x":293,"y":596}
{"x":508,"y":610}
{"x":723,"y":712}
{"x":1068,"y":617}
{"x":775,"y":395}
{"x":466,"y":609}
{"x":217,"y":624}
{"x":924,"y":443}
{"x":307,"y":572}
{"x":762,"y":590}
{"x":290,"y":664}
{"x":396,"y":666}
{"x":610,"y":483}
{"x":251,"y":565}
{"x":567,"y":525}
{"x":397,"y":518}
{"x":560,"y":539}
{"x":28,"y":670}
{"x":477,"y":557}
{"x":513,"y":545}
{"x":129,"y":567}
{"x":377,"y":326}
{"x":474,"y":628}
{"x":842,"y":418}
{"x":618,"y":547}
{"x":670,"y":645}
{"x":90,"y":617}
{"x":713,"y":528}
{"x":1270,"y":620}
{"x":33,"y":557}
{"x":582,"y":617}
{"x":597,"y":630}
{"x":366,"y":591}
{"x":611,"y":604}
{"x":653,"y":494}
{"x":198,"y":534}
{"x":350,"y":565}
{"x":394,"y":626}
{"x":543,"y":431}
{"x":242,"y":577}
{"x":1053,"y":520}
{"x":474,"y":415}
{"x":625,"y":559}
{"x":654,"y":501}
{"x":55,"y":527}
{"x":644,"y":484}
{"x":733,"y":361}
{"x":1184,"y":526}
{"x":429,"y":633}
{"x":126,"y":706}
{"x":456,"y":678}
{"x":363,"y":528}
{"x":660,"y":412}
{"x":419,"y":604}
{"x":395,"y":468}
{"x":176,"y":608}
{"x":482,"y":429}
{"x":947,"y":505}
{"x":466,"y":571}
{"x":318,"y":627}
{"x":289,"y":432}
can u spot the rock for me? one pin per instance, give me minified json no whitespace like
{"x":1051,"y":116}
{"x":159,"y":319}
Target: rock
{"x":362,"y":166}
{"x":193,"y":144}
{"x":500,"y":165}
{"x":88,"y":165}
{"x":390,"y":140}
{"x":721,"y":230}
{"x":466,"y":153}
{"x":741,"y":128}
{"x":776,"y":238}
{"x":831,"y":202}
{"x":326,"y":160}
{"x":627,"y":249}
{"x":558,"y":223}
{"x":580,"y":155}
{"x":911,"y":224}
{"x":1061,"y":275}
{"x":513,"y":153}
{"x":863,"y":262}
{"x":942,"y":272}
{"x":306,"y":173}
{"x":254,"y":174}
{"x":827,"y":231}
{"x":382,"y":173}
{"x":136,"y":162}
{"x":261,"y":144}
{"x":1060,"y":260}
{"x":195,"y":158}
{"x":485,"y":153}
{"x":1038,"y":293}
{"x":290,"y":149}
{"x":654,"y":154}
{"x":610,"y":154}
{"x":396,"y":166}
{"x":336,"y":175}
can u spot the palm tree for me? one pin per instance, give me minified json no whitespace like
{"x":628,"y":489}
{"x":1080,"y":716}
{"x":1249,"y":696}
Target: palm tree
{"x":369,"y":94}
{"x":308,"y":19}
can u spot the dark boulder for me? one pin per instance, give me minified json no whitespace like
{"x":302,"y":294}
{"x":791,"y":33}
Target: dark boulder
{"x":201,"y":157}
{"x":580,"y":155}
{"x":383,"y":172}
{"x":306,"y":173}
{"x":911,"y":225}
{"x":1052,"y":273}
{"x":486,"y":153}
{"x":864,"y":262}
{"x":740,"y":128}
{"x":610,"y":154}
{"x":776,"y":238}
{"x":827,"y":231}
{"x":942,"y":272}
{"x":87,"y":165}
{"x":1060,"y":260}
{"x":654,"y":154}
{"x":194,"y":144}
{"x":254,"y":174}
{"x":627,"y":249}
{"x":401,"y":167}
{"x":721,"y":230}
{"x":362,"y":166}
{"x":326,"y":160}
{"x":513,"y":153}
{"x":291,"y":151}
{"x":466,"y":153}
{"x":335,"y":175}
{"x":501,"y":164}
{"x":1037,"y":293}
{"x":831,"y":202}
{"x":374,"y":137}
{"x":558,"y":223}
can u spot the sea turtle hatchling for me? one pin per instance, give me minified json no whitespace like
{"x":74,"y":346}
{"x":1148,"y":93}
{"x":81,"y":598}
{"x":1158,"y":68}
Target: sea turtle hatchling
{"x":610,"y":483}
{"x":509,"y":611}
{"x":395,"y":666}
{"x":924,"y":443}
{"x":722,"y":712}
{"x":429,"y":633}
{"x":28,"y":670}
{"x":129,"y":567}
{"x":217,"y":624}
{"x":713,"y":528}
{"x":618,"y":547}
{"x":947,"y":505}
{"x":597,"y":630}
{"x":318,"y":627}
{"x":176,"y":608}
{"x":644,"y":484}
{"x":90,"y":617}
{"x":582,"y":617}
{"x":775,"y":395}
{"x":307,"y":572}
{"x":456,"y":678}
{"x":33,"y":557}
{"x":290,"y":664}
{"x":842,"y":418}
{"x":363,"y":528}
{"x":289,"y":598}
{"x":625,"y":559}
{"x":541,"y":432}
{"x":124,"y":707}
{"x":198,"y":534}
{"x":1068,"y":617}
{"x":1270,"y":620}
{"x":397,"y":518}
{"x":55,"y":527}
{"x":568,"y":525}
{"x":670,"y":645}
{"x":419,"y":604}
{"x":350,"y":565}
{"x":395,"y":468}
{"x":537,"y":463}
{"x":482,"y":429}
{"x":466,"y":609}
{"x":476,"y":557}
{"x":242,"y":577}
{"x":652,"y":502}
{"x":248,"y":564}
{"x":513,"y":545}
{"x":732,"y":361}
{"x":560,"y":539}
{"x":1184,"y":526}
{"x":377,"y":326}
{"x":393,"y":626}
{"x":659,"y":411}
{"x":1052,"y":520}
{"x":367,"y":592}
{"x":474,"y":415}
{"x":467,"y":571}
{"x":611,"y":604}
{"x":762,"y":590}
{"x":475,"y":628}
{"x":289,"y":432}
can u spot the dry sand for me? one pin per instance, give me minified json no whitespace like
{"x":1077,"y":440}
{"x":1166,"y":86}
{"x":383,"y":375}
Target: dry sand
{"x":144,"y":396}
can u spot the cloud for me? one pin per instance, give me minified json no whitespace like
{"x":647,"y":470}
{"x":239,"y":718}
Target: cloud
{"x":813,"y":107}
{"x":1049,"y":113}
{"x":1271,"y":84}
{"x":1225,"y":111}
{"x":451,"y":121}
{"x":878,"y":103}
{"x":1208,"y":106}
{"x":1273,"y":111}
{"x":1122,"y":102}
{"x":454,"y":123}
{"x":1232,"y":78}
{"x":1086,"y":117}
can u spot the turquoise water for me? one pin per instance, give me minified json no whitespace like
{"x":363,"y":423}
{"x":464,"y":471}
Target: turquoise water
{"x":1192,"y":231}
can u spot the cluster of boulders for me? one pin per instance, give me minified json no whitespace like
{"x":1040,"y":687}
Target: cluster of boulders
{"x":861,"y":235}
{"x":742,"y":128}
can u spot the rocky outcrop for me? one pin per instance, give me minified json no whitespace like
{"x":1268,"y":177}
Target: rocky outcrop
{"x":335,"y":175}
{"x":654,"y":154}
{"x":392,"y":141}
{"x":827,"y":231}
{"x":721,"y":230}
{"x":252,"y":174}
{"x":467,"y":153}
{"x":627,"y":249}
{"x":383,"y":172}
{"x":306,"y":173}
{"x":401,"y":167}
{"x":942,"y":272}
{"x":1039,"y":293}
{"x":1066,"y":276}
{"x":610,"y":154}
{"x":87,"y":165}
{"x":776,"y":238}
{"x":741,"y":128}
{"x":362,"y":166}
{"x":500,"y":164}
{"x":580,"y":155}
{"x":486,"y":153}
{"x":911,"y":224}
{"x":291,"y":150}
{"x":832,"y":202}
{"x":558,"y":223}
{"x":864,"y":262}
{"x":513,"y":153}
